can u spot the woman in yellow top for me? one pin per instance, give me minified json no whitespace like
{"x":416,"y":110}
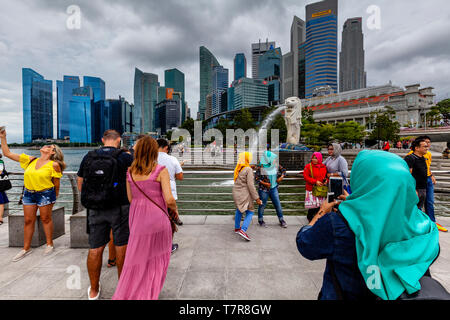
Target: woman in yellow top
{"x":42,"y":180}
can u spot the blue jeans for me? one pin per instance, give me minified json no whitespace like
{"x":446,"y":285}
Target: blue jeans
{"x":429,"y":202}
{"x":247,"y":220}
{"x":275,"y":197}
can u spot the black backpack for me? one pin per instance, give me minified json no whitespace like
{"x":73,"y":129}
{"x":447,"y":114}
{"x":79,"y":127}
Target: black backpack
{"x":100,"y":180}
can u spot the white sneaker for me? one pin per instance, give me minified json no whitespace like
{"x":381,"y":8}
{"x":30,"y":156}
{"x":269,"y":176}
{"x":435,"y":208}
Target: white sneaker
{"x":48,"y":250}
{"x":98,"y":295}
{"x":22,"y":254}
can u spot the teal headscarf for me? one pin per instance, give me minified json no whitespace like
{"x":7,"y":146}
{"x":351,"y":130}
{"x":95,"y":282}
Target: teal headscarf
{"x":269,"y":167}
{"x":392,"y":234}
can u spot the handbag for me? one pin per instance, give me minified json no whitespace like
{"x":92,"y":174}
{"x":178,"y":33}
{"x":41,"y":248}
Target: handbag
{"x":318,"y":191}
{"x":347,"y":185}
{"x":169,"y":213}
{"x":5,"y":183}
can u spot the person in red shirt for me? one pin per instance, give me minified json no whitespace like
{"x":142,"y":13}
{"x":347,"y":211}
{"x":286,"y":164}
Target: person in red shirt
{"x":386,"y":146}
{"x":314,"y":173}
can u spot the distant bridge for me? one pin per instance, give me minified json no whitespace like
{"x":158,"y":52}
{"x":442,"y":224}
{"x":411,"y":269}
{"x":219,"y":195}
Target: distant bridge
{"x":436,"y":134}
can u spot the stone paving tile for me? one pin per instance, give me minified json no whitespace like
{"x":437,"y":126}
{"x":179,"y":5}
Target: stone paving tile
{"x":203,"y":285}
{"x":211,"y":263}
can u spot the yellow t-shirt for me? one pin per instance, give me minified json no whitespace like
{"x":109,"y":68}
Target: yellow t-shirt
{"x":427,"y":160}
{"x":38,"y":180}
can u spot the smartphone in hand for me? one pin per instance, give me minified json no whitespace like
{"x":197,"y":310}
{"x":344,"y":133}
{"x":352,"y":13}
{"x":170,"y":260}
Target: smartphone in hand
{"x":336,"y":186}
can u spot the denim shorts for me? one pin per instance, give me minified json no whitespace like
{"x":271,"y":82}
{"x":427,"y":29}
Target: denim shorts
{"x":41,"y":199}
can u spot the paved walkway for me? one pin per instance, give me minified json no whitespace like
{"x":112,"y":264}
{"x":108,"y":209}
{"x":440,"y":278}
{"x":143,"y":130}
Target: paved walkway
{"x":212,"y":263}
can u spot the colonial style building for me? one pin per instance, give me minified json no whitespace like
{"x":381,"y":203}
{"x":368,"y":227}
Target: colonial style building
{"x":410,"y":104}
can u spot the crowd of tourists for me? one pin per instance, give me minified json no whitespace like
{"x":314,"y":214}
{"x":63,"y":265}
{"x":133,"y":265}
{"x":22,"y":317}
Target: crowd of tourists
{"x":131,"y":201}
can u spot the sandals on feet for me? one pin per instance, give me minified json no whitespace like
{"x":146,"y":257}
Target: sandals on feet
{"x":111,"y":263}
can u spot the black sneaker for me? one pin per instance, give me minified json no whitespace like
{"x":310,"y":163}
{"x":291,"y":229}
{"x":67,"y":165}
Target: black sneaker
{"x":262,"y":224}
{"x":174,"y":247}
{"x":283,"y":224}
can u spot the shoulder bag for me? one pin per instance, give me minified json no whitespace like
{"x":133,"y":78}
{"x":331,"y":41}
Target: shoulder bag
{"x":5,"y":183}
{"x":318,"y":191}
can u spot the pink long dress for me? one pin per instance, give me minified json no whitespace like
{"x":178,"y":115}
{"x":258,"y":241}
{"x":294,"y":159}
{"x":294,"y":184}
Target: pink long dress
{"x":150,"y":243}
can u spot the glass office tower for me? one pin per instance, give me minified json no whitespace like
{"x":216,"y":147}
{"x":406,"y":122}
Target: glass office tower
{"x":219,"y":85}
{"x":174,"y":79}
{"x":321,"y":46}
{"x":207,"y":62}
{"x":145,"y":99}
{"x":240,"y":66}
{"x":81,"y":108}
{"x":37,"y":106}
{"x":97,"y":85}
{"x":270,"y":66}
{"x":64,"y":95}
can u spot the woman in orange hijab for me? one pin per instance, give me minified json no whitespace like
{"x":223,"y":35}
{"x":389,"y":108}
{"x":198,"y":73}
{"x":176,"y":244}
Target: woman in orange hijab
{"x":244,"y":193}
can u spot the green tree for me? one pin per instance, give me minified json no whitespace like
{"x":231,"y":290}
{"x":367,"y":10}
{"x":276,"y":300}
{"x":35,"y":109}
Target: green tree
{"x":385,"y":127}
{"x":189,"y":126}
{"x":310,"y":133}
{"x":434,"y":116}
{"x":350,"y":131}
{"x":326,"y":133}
{"x":307,"y":116}
{"x":444,"y":109}
{"x":244,"y":120}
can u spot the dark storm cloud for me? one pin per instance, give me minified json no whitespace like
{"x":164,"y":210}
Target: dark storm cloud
{"x":118,"y":35}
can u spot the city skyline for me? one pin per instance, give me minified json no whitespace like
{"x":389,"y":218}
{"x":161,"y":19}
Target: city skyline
{"x":400,"y":51}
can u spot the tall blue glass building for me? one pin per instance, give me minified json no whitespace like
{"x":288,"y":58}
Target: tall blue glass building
{"x":240,"y":66}
{"x":270,"y":66}
{"x":82,"y":109}
{"x":321,"y":46}
{"x":219,"y":82}
{"x":37,"y":106}
{"x":64,"y":95}
{"x":145,"y":99}
{"x":98,"y":87}
{"x":207,"y":62}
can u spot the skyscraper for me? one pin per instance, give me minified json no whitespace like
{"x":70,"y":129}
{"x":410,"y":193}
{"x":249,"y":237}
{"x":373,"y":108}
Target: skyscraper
{"x":248,"y":93}
{"x":64,"y":94}
{"x":98,"y":87}
{"x":351,"y":60}
{"x":207,"y":62}
{"x":37,"y":106}
{"x":258,"y":49}
{"x":145,"y":98}
{"x":81,"y":107}
{"x":293,"y":71}
{"x":321,"y":46}
{"x":240,"y":66}
{"x":270,"y":65}
{"x":175,"y":79}
{"x":219,"y":85}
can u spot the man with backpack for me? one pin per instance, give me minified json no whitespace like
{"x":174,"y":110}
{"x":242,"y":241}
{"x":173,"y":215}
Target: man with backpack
{"x":102,"y":182}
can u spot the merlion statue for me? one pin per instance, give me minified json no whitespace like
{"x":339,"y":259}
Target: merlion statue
{"x":293,"y":119}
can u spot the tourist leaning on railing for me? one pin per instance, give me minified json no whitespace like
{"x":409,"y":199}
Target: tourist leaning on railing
{"x":42,"y":180}
{"x":367,"y":253}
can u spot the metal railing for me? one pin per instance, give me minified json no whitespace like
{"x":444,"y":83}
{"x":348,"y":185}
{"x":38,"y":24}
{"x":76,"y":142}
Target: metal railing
{"x":204,"y":192}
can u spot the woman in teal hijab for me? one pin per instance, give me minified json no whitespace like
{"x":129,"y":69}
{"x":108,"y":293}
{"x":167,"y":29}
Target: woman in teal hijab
{"x":393,"y":242}
{"x":268,"y":175}
{"x":391,"y":233}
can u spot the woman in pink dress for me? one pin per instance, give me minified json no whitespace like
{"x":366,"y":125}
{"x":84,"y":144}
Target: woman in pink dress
{"x":150,"y":243}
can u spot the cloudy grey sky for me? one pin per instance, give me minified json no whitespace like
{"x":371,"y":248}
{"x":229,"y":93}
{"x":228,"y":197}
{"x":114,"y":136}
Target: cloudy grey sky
{"x":412,"y":46}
